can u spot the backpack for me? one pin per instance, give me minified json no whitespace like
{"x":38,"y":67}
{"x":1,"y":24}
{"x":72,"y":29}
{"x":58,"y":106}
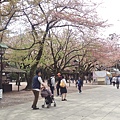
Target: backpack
{"x":49,"y":82}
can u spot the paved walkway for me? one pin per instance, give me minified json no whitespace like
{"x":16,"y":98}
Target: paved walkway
{"x":101,"y":103}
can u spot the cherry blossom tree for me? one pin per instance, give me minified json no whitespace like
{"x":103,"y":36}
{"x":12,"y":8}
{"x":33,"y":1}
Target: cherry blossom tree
{"x":41,"y":16}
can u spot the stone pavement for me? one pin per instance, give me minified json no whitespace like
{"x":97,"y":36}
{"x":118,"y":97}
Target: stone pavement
{"x":101,"y":103}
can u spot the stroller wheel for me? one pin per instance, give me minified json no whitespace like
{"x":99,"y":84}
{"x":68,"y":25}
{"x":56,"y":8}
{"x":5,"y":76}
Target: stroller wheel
{"x":48,"y":106}
{"x":55,"y":105}
{"x":43,"y":106}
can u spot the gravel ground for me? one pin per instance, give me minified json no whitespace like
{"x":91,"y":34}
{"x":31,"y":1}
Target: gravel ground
{"x":15,"y":97}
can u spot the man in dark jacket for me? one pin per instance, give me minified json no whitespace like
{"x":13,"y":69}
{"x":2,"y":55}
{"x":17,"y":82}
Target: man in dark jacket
{"x":36,"y":85}
{"x":59,"y":78}
{"x":117,"y":82}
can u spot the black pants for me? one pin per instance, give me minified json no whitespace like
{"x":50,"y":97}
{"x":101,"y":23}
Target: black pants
{"x":110,"y":82}
{"x":113,"y":83}
{"x":58,"y":90}
{"x":36,"y":96}
{"x":52,"y":89}
{"x":79,"y":88}
{"x":117,"y":85}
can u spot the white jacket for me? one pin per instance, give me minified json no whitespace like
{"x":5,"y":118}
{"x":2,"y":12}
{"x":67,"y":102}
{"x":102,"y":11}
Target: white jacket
{"x":53,"y":81}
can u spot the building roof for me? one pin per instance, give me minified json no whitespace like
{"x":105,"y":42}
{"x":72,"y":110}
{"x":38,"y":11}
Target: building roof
{"x":2,"y":45}
{"x":13,"y":70}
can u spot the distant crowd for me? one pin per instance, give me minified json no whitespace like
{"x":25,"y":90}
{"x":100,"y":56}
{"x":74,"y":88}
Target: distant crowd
{"x":115,"y":81}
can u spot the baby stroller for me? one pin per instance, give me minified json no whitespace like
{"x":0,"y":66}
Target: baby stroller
{"x":49,"y":98}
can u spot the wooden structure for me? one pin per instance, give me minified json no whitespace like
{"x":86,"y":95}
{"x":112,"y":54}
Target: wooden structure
{"x":5,"y":80}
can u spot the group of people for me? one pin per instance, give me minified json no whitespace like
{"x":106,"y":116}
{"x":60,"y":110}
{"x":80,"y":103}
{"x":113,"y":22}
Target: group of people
{"x":115,"y":80}
{"x":59,"y":83}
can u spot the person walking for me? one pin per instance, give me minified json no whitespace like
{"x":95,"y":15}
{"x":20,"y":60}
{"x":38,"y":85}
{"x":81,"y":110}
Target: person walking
{"x":72,"y":79}
{"x":80,"y":84}
{"x":86,"y":78}
{"x":51,"y":83}
{"x":110,"y":80}
{"x":107,"y":80}
{"x":117,"y":82}
{"x":58,"y":79}
{"x":36,"y":85}
{"x":63,"y":88}
{"x":114,"y":80}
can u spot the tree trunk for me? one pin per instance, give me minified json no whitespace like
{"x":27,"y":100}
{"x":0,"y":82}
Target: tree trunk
{"x":29,"y":80}
{"x":33,"y":68}
{"x":38,"y":57}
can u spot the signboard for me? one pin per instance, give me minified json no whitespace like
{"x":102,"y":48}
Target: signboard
{"x":101,"y":79}
{"x":99,"y":74}
{"x":1,"y":92}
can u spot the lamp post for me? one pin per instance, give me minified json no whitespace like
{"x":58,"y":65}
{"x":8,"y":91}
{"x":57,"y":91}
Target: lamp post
{"x":3,"y":47}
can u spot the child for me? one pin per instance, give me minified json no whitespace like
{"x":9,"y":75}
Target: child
{"x":45,"y":93}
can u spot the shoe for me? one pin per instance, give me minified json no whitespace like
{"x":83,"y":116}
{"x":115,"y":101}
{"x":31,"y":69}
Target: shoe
{"x":65,"y":99}
{"x":80,"y":91}
{"x":35,"y":108}
{"x":62,"y":100}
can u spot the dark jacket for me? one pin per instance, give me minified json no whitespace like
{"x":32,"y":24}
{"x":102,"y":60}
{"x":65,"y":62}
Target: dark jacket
{"x":117,"y":81}
{"x":58,"y":81}
{"x":80,"y":82}
{"x":35,"y":83}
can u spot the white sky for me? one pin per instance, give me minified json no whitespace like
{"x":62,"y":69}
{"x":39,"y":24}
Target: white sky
{"x":109,"y":10}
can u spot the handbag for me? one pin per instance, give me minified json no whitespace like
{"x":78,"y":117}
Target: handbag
{"x":62,"y":84}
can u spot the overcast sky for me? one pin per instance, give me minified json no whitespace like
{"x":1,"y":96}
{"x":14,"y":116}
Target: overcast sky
{"x":110,"y":10}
